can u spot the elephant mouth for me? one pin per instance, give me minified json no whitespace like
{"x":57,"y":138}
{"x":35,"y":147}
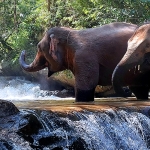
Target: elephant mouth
{"x":145,"y":65}
{"x":142,"y":67}
{"x":136,"y":69}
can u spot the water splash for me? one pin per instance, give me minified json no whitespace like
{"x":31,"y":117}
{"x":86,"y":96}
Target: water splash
{"x":16,"y":88}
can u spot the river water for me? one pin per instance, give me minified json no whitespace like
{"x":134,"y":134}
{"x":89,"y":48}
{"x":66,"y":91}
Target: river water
{"x":112,"y":129}
{"x":17,"y":88}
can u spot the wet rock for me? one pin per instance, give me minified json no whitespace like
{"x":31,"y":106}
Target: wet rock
{"x":78,"y":145}
{"x":32,"y":127}
{"x":49,"y":139}
{"x":7,"y":108}
{"x":9,"y":128}
{"x":10,"y":140}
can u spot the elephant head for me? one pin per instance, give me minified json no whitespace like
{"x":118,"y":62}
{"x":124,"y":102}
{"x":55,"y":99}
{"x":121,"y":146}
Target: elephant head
{"x":138,"y":46}
{"x":51,"y":52}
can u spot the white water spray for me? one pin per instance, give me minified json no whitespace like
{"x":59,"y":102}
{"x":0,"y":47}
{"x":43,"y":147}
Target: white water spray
{"x":16,"y":88}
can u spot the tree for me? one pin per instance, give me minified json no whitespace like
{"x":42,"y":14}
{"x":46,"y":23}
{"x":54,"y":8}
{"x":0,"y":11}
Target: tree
{"x":22,"y":22}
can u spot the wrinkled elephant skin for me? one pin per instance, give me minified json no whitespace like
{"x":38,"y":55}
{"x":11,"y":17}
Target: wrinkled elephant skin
{"x":137,"y":58}
{"x":91,"y":54}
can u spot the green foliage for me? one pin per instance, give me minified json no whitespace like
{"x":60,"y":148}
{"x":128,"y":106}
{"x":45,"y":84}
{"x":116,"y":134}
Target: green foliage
{"x":90,"y":13}
{"x":22,"y":22}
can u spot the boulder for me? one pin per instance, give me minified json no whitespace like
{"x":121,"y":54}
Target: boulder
{"x":7,"y":108}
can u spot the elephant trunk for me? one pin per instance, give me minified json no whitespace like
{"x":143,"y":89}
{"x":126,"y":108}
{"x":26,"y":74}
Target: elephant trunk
{"x":38,"y":63}
{"x":118,"y":80}
{"x":124,"y":73}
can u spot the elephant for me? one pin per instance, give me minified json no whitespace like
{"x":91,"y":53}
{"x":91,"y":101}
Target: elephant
{"x":136,"y":61}
{"x":91,"y":54}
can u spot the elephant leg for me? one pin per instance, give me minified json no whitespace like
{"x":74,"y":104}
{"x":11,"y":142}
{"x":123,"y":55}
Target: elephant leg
{"x":86,"y":79}
{"x":84,"y":95}
{"x":141,"y":92}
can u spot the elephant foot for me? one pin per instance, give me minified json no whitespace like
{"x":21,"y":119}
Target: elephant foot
{"x":125,"y":92}
{"x":140,"y":92}
{"x":84,"y":95}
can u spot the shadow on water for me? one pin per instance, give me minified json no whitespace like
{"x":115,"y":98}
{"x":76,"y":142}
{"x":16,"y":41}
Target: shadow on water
{"x":106,"y":124}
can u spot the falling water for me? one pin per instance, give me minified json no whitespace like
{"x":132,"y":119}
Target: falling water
{"x":112,"y":129}
{"x":121,"y":129}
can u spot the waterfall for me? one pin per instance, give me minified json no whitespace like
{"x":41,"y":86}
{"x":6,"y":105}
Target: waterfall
{"x":122,"y":129}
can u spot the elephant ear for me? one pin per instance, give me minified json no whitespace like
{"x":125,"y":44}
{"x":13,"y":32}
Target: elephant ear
{"x":53,"y":46}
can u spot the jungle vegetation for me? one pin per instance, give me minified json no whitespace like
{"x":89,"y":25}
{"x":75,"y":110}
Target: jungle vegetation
{"x":23,"y":22}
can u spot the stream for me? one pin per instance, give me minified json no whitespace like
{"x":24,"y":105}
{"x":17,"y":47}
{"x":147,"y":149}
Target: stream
{"x":17,"y":88}
{"x":122,"y":128}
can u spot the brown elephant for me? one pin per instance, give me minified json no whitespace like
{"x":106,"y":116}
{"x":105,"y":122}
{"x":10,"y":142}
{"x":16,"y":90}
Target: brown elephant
{"x":91,"y":54}
{"x":136,"y":61}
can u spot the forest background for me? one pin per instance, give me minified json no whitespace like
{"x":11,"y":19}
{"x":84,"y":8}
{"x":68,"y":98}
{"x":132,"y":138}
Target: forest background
{"x":23,"y":22}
